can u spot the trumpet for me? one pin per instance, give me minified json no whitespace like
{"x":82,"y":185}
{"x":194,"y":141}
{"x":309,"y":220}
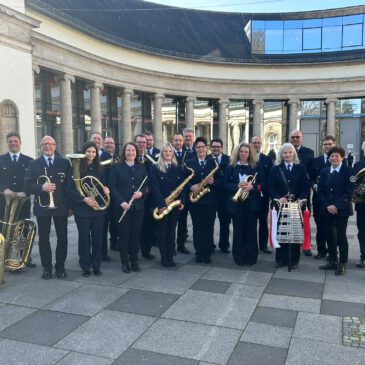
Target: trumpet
{"x":46,"y":179}
{"x":241,"y":194}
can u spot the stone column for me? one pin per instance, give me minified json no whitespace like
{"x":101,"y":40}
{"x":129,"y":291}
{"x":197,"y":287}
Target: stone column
{"x":293,"y":114}
{"x":157,"y":119}
{"x":126,"y":127}
{"x":95,"y":88}
{"x":223,"y":125}
{"x":189,"y":111}
{"x":331,"y":116}
{"x":257,"y":105}
{"x":67,"y":138}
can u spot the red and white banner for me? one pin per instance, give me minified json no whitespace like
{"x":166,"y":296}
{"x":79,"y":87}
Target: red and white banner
{"x":274,"y":228}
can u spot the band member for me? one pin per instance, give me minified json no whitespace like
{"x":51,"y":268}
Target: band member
{"x":266,"y":164}
{"x":178,"y":143}
{"x":222,"y":159}
{"x":360,"y":215}
{"x":124,"y":180}
{"x":288,"y":176}
{"x":47,"y":176}
{"x":243,"y":167}
{"x":165,"y":177}
{"x":335,"y":189}
{"x":151,"y":149}
{"x":305,"y":155}
{"x":97,"y":138}
{"x":190,"y":152}
{"x":204,"y":210}
{"x":13,"y":166}
{"x":316,"y":166}
{"x":88,"y":220}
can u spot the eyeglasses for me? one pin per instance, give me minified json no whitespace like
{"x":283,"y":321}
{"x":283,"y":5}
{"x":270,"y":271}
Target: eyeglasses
{"x":295,"y":137}
{"x":48,"y":144}
{"x":216,"y":146}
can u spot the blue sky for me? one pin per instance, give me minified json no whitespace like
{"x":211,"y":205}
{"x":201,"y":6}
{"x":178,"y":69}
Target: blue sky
{"x":260,"y":6}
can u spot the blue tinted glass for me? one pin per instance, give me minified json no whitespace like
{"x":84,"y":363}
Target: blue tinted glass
{"x":258,"y":41}
{"x":312,"y":38}
{"x":312,"y":23}
{"x":274,"y":24}
{"x":273,"y":41}
{"x":350,"y":106}
{"x":352,"y":35}
{"x":331,"y":39}
{"x":292,"y":40}
{"x":293,"y":24}
{"x":258,"y":25}
{"x":330,"y":22}
{"x":353,"y":19}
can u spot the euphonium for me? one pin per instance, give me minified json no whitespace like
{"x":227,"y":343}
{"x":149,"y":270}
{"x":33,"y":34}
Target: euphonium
{"x":88,"y":186}
{"x":359,"y":192}
{"x":18,"y":234}
{"x":203,"y":188}
{"x":46,"y":179}
{"x":172,"y":200}
{"x":241,"y":194}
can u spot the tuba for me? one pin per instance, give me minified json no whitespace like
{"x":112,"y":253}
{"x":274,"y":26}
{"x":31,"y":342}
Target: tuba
{"x":203,"y":188}
{"x":172,"y":200}
{"x":243,"y":195}
{"x":88,"y":186}
{"x":18,"y":234}
{"x":359,"y":192}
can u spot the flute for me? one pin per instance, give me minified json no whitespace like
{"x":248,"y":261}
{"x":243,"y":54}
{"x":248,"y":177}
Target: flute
{"x":131,"y":200}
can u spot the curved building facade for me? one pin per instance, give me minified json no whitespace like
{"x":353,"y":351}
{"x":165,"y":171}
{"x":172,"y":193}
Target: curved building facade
{"x":126,"y":66}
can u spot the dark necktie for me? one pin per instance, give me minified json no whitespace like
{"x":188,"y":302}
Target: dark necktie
{"x":50,"y":164}
{"x":288,"y":168}
{"x":202,"y":164}
{"x":179,"y":154}
{"x":327,"y":163}
{"x":14,"y":159}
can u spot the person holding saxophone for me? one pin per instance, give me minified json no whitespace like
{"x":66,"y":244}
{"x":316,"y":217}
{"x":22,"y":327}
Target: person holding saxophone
{"x":243,"y":182}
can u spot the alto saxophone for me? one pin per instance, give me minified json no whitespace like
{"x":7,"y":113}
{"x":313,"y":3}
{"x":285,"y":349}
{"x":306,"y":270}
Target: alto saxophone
{"x":172,"y":201}
{"x":241,"y":194}
{"x":203,"y":188}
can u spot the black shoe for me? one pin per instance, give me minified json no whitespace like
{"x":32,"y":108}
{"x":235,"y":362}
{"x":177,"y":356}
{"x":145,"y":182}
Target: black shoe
{"x":125,"y":268}
{"x":135,"y":267}
{"x":307,"y":253}
{"x":331,"y":265}
{"x":171,"y":262}
{"x":225,"y":250}
{"x":340,"y":269}
{"x":183,"y":250}
{"x":31,"y":264}
{"x":361,"y":264}
{"x":106,"y":258}
{"x":164,"y":262}
{"x":198,"y":259}
{"x":97,"y":272}
{"x":207,"y":260}
{"x":148,"y":256}
{"x":86,"y":273}
{"x":278,"y":265}
{"x":266,"y":250}
{"x":61,"y":273}
{"x":320,"y":256}
{"x":47,"y":274}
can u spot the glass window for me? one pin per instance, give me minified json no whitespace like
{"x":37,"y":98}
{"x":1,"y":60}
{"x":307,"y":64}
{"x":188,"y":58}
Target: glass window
{"x":350,"y":106}
{"x":352,"y":35}
{"x":312,"y":38}
{"x":331,"y":38}
{"x":258,"y":25}
{"x":273,"y":41}
{"x":293,"y":24}
{"x":292,"y":40}
{"x":312,"y":23}
{"x":274,"y":24}
{"x":330,"y":22}
{"x":353,"y":19}
{"x":311,"y":108}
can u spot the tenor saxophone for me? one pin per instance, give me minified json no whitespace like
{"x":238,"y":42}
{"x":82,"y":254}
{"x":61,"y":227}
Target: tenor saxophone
{"x":203,"y":188}
{"x":172,"y":200}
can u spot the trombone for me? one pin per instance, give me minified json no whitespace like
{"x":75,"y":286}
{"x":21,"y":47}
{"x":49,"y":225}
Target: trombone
{"x":51,"y":204}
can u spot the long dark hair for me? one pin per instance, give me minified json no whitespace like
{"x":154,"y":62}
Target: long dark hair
{"x":95,"y":162}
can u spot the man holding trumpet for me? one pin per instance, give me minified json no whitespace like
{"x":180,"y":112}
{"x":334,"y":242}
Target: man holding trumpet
{"x":46,"y":178}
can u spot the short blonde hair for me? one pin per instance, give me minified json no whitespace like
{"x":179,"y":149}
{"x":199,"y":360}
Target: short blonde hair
{"x":285,"y":146}
{"x":160,"y":163}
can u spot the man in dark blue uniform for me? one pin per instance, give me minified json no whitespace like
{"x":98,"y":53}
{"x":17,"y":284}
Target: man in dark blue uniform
{"x":178,"y":143}
{"x":151,"y":149}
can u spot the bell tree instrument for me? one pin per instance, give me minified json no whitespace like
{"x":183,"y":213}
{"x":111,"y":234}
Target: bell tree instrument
{"x":203,"y":186}
{"x":41,"y":180}
{"x":241,"y":194}
{"x":172,"y":200}
{"x":359,"y":192}
{"x":88,"y":186}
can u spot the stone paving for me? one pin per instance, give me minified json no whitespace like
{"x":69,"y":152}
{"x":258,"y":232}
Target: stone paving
{"x":192,"y":314}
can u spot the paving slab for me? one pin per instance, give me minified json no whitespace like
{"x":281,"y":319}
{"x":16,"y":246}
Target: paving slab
{"x":318,"y":327}
{"x":292,"y":303}
{"x":87,"y":300}
{"x":195,"y":269}
{"x":248,"y":291}
{"x":144,"y":302}
{"x":267,"y":334}
{"x":36,"y":328}
{"x":274,"y":316}
{"x":10,"y":314}
{"x":306,"y":352}
{"x":212,"y":308}
{"x":250,"y":353}
{"x":304,"y":272}
{"x":138,"y":357}
{"x":75,"y":358}
{"x":189,"y":340}
{"x":108,"y":334}
{"x":343,"y":309}
{"x":296,"y":288}
{"x":16,"y":353}
{"x":213,"y":286}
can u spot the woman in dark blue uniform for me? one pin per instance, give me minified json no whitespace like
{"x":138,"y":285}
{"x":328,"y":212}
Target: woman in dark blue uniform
{"x":335,"y":189}
{"x":244,"y":213}
{"x":89,"y":221}
{"x":125,"y":179}
{"x":288,"y":177}
{"x":165,"y":177}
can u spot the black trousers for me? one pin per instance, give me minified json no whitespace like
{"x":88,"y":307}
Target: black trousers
{"x":147,"y":232}
{"x":110,"y":223}
{"x":224,"y":222}
{"x":182,"y":228}
{"x":203,"y":217}
{"x":45,"y":251}
{"x":129,"y":234}
{"x":165,"y":233}
{"x":282,"y":254}
{"x":263,"y":225}
{"x":245,"y":250}
{"x":360,"y":222}
{"x":336,"y":227}
{"x":321,"y":234}
{"x":90,"y":240}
